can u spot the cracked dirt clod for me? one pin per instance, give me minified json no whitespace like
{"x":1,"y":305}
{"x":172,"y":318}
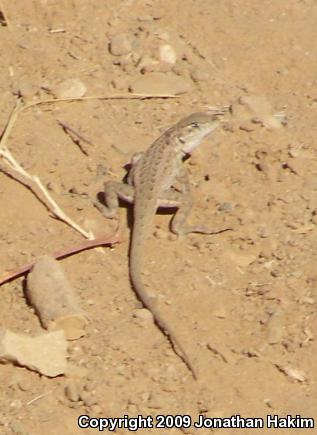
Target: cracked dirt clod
{"x":70,"y":88}
{"x":54,"y":299}
{"x":45,"y":353}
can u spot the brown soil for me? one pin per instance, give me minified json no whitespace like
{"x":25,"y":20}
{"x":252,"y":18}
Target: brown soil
{"x":243,"y":302}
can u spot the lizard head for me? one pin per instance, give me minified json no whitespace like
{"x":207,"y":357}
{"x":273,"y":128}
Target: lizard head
{"x":194,"y":128}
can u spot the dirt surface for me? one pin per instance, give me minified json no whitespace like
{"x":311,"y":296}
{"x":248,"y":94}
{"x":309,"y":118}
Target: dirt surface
{"x":244,"y":301}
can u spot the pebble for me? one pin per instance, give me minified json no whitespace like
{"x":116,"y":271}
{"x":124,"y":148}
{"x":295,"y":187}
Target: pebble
{"x":160,"y":234}
{"x":96,"y":409}
{"x":275,"y":328}
{"x":256,"y":109}
{"x":146,"y":63}
{"x":25,"y":384}
{"x":143,"y":314}
{"x":113,"y":22}
{"x":88,"y":398}
{"x":309,"y":300}
{"x":160,"y":84}
{"x":291,"y":372}
{"x":70,"y":88}
{"x":298,"y":165}
{"x":54,"y":187}
{"x":145,"y":18}
{"x":27,"y":89}
{"x":120,"y":44}
{"x":164,"y":36}
{"x":71,"y":391}
{"x":17,"y":428}
{"x":243,"y":259}
{"x":197,"y":75}
{"x":161,"y":67}
{"x":226,"y":207}
{"x":155,"y":402}
{"x":167,"y":54}
{"x":220,"y":312}
{"x":91,"y":385}
{"x":119,"y":83}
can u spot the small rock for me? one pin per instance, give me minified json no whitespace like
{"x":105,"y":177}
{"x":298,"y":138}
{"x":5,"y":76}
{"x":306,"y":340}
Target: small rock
{"x":88,"y":398}
{"x":119,"y":83}
{"x":155,"y":402}
{"x":113,"y":22}
{"x":71,"y":88}
{"x":95,"y":409}
{"x":45,"y":353}
{"x":54,"y":187}
{"x":160,"y":84}
{"x":298,"y":165}
{"x":120,"y":44}
{"x":242,"y":258}
{"x":220,"y":312}
{"x":275,"y":328}
{"x":258,"y":110}
{"x":308,"y":300}
{"x":226,"y":207}
{"x":146,"y":62}
{"x":145,"y":18}
{"x":25,"y":384}
{"x":71,"y":391}
{"x":143,"y":314}
{"x":27,"y":89}
{"x":76,"y":372}
{"x":164,"y":36}
{"x":291,"y":372}
{"x":156,"y":66}
{"x":91,"y":385}
{"x":18,"y":428}
{"x":167,"y":54}
{"x":198,"y":75}
{"x":160,"y":234}
{"x":172,"y":237}
{"x":157,"y":13}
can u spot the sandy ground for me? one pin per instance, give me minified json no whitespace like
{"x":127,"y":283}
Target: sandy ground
{"x":244,"y":301}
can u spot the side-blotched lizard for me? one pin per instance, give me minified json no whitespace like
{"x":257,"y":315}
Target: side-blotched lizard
{"x":150,"y":185}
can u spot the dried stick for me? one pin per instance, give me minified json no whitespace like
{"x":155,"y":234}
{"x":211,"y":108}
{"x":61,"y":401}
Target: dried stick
{"x":5,"y":16}
{"x":33,"y":183}
{"x":16,"y":171}
{"x":98,"y":97}
{"x":75,"y":137}
{"x":88,"y":244}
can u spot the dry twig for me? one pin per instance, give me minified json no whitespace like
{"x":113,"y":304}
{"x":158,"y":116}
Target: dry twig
{"x":4,"y":15}
{"x":88,"y":244}
{"x":16,"y":171}
{"x":75,"y":137}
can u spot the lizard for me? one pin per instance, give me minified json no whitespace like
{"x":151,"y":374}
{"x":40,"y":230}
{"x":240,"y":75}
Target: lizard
{"x":151,"y":184}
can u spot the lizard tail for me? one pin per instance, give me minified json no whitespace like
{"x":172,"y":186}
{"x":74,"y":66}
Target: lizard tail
{"x":150,"y":303}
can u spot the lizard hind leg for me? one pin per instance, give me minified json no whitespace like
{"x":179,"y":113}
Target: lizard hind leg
{"x":180,"y":227}
{"x":183,"y":202}
{"x":179,"y":224}
{"x":114,"y":190}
